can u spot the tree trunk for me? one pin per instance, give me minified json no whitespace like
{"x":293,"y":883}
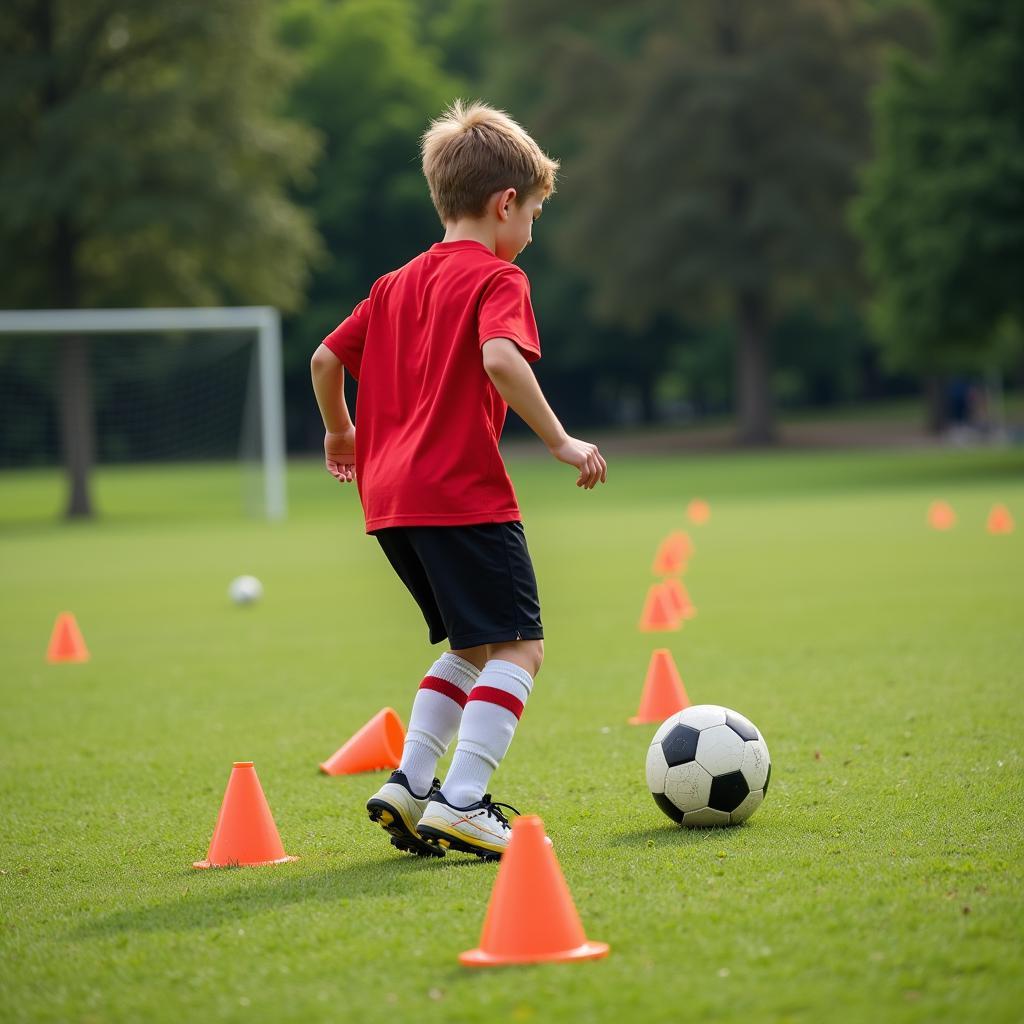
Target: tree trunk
{"x":936,"y":405}
{"x":755,"y":407}
{"x":77,"y":430}
{"x":76,"y":423}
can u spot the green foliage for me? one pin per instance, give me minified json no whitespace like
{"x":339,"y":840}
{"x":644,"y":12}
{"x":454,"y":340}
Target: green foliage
{"x":716,"y":154}
{"x":144,"y":159}
{"x":710,"y":151}
{"x":942,"y":214}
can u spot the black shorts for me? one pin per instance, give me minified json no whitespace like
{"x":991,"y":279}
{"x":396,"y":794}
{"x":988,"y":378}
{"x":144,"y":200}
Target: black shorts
{"x":474,"y":584}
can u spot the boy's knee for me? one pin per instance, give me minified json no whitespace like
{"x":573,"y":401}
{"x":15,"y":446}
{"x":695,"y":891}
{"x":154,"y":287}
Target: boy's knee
{"x":527,"y":654}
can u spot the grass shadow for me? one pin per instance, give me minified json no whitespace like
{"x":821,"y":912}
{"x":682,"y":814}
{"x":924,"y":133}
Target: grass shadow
{"x":675,"y":835}
{"x":196,"y":909}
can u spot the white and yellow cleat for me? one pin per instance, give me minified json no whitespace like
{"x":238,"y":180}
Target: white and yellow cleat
{"x":396,"y":808}
{"x":480,"y":828}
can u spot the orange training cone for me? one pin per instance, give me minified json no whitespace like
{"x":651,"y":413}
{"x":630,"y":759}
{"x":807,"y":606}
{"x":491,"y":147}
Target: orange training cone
{"x":659,"y":612}
{"x":66,"y":643}
{"x":672,"y":554}
{"x":378,"y":745}
{"x":941,"y":515}
{"x":664,"y":693}
{"x":1000,"y":520}
{"x":679,"y":598}
{"x":245,"y":833}
{"x":699,"y":511}
{"x":531,"y":917}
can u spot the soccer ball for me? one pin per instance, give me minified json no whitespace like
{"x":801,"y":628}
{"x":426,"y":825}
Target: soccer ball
{"x":245,"y":590}
{"x":708,"y":765}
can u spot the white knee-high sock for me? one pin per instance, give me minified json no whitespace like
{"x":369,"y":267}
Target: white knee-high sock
{"x":436,"y":712}
{"x":492,"y":713}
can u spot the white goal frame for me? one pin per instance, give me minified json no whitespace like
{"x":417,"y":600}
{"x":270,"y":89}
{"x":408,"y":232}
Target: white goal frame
{"x":264,"y":320}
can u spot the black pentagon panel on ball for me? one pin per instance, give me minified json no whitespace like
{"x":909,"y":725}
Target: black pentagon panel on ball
{"x":668,"y":807}
{"x":764,"y":788}
{"x":740,"y":726}
{"x":680,"y":745}
{"x":728,"y":791}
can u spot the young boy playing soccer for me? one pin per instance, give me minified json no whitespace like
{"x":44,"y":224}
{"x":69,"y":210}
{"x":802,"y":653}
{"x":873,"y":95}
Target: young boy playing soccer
{"x":441,"y":348}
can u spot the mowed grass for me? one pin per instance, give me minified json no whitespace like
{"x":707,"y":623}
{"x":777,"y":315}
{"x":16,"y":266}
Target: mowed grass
{"x":881,"y":880}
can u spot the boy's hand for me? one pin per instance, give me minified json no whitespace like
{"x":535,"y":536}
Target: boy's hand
{"x":340,"y":454}
{"x":586,"y":458}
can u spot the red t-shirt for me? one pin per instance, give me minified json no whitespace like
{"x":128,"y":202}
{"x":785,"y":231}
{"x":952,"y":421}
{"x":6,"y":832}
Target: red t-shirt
{"x":428,"y":417}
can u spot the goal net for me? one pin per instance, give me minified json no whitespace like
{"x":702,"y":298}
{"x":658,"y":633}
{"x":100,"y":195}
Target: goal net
{"x":167,"y":385}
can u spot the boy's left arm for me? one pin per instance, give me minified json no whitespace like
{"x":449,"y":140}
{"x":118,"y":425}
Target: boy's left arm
{"x":328,"y":373}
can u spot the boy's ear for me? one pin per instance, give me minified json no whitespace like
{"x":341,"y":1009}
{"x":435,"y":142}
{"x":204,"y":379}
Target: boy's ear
{"x":505,"y":200}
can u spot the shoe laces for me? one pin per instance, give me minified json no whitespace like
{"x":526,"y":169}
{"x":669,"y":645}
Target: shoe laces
{"x":491,"y":807}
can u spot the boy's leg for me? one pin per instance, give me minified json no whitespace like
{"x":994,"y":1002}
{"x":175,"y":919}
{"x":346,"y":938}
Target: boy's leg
{"x":461,"y":816}
{"x":399,"y":804}
{"x":493,"y":709}
{"x":436,"y":713}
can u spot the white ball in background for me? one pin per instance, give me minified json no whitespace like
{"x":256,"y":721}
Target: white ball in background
{"x":245,"y":590}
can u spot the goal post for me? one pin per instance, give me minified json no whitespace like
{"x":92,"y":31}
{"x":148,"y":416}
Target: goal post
{"x":265,"y":321}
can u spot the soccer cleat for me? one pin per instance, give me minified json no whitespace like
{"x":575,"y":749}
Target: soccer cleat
{"x":480,"y":828}
{"x":397,"y":809}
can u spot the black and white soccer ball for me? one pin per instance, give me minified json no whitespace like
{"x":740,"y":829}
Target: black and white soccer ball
{"x":708,"y":765}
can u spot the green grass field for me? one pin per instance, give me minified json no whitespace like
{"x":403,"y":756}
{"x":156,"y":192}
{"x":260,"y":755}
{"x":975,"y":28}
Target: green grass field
{"x":881,"y":880}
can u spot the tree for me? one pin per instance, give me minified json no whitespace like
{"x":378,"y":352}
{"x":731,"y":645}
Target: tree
{"x":712,"y":153}
{"x":942,"y":212}
{"x":144,"y":164}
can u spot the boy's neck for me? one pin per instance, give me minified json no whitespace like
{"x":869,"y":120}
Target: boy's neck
{"x":470,"y":230}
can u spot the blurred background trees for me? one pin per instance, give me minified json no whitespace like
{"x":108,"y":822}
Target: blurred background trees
{"x":144,"y":163}
{"x":942,"y":209}
{"x":730,"y":169}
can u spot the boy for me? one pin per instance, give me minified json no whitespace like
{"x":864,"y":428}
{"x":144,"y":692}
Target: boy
{"x":441,"y":348}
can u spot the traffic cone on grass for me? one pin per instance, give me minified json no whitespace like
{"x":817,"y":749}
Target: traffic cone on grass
{"x":699,"y":511}
{"x":664,"y":693}
{"x":377,"y":746}
{"x":245,"y":834}
{"x":679,"y":598}
{"x":531,"y":917}
{"x":659,"y":614}
{"x":672,"y":554}
{"x":66,"y":643}
{"x":941,"y":515}
{"x":1000,"y":520}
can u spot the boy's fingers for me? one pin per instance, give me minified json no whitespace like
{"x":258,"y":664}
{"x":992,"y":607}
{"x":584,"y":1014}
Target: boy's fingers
{"x":339,"y":472}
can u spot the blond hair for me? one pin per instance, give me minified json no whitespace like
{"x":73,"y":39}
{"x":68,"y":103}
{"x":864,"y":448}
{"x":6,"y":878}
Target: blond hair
{"x":472,"y":151}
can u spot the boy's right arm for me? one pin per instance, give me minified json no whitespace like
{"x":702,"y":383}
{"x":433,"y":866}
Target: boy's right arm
{"x":510,"y":373}
{"x":328,"y":375}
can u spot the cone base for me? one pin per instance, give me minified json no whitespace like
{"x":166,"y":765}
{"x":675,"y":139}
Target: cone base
{"x":323,"y":769}
{"x":637,"y":720}
{"x":481,"y":958}
{"x":60,"y":659}
{"x":252,"y":864}
{"x":359,"y":771}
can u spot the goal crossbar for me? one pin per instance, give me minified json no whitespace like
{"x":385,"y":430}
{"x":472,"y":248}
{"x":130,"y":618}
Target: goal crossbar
{"x":264,"y":320}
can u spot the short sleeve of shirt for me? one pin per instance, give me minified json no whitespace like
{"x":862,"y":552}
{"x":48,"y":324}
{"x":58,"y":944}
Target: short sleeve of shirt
{"x":347,"y":339}
{"x":505,"y":311}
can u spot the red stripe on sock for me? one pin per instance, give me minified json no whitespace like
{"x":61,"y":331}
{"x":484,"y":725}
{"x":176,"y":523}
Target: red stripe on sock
{"x":445,"y":688}
{"x":503,"y":698}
